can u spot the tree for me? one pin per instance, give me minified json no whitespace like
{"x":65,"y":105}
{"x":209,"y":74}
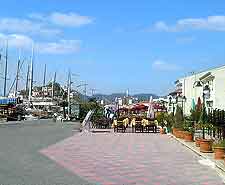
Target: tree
{"x":179,"y":118}
{"x":58,"y":91}
{"x":91,"y":105}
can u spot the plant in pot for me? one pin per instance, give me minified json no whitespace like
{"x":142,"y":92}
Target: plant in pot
{"x":205,"y":144}
{"x":161,"y":118}
{"x":219,"y":149}
{"x":195,"y":116}
{"x":169,"y":121}
{"x":198,"y":138}
{"x":178,"y":123}
{"x":189,"y":131}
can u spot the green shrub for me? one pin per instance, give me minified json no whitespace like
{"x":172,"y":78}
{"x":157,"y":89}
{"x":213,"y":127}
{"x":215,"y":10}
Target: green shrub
{"x":91,"y":105}
{"x":178,"y":118}
{"x":165,"y":119}
{"x":220,"y":143}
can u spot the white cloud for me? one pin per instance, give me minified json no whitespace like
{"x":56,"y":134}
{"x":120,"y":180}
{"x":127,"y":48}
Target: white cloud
{"x":160,"y":25}
{"x":63,"y":19}
{"x":70,"y":19}
{"x":60,"y":47}
{"x":212,"y":23}
{"x":25,"y":26}
{"x":164,"y":66}
{"x":57,"y":47}
{"x":16,"y":40}
{"x":41,"y":24}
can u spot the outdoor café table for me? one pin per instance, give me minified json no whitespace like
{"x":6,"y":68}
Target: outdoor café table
{"x":120,"y":126}
{"x":151,"y":127}
{"x":138,"y":126}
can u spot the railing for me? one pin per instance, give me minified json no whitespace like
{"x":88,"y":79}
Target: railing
{"x":216,"y":126}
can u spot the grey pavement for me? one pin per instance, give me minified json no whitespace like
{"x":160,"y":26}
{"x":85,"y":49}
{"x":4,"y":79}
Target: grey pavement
{"x":20,"y":160}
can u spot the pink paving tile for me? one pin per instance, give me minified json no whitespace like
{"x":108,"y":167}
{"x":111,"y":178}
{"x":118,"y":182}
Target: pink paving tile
{"x":125,"y":159}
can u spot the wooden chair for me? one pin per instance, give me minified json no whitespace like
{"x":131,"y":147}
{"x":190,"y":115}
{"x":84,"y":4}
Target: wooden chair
{"x":138,"y":125}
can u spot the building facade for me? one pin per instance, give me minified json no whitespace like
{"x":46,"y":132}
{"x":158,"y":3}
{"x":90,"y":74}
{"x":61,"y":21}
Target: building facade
{"x":193,"y":87}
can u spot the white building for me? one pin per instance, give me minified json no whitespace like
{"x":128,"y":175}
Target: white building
{"x":191,"y":87}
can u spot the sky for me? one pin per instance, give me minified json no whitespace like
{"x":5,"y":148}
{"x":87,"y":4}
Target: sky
{"x":113,"y":45}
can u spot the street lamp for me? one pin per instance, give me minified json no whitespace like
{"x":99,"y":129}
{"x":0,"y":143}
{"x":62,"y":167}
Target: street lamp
{"x":205,"y":95}
{"x":181,"y":99}
{"x":118,"y":107}
{"x":171,"y":102}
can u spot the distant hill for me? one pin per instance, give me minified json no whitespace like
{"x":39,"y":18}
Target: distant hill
{"x":111,"y":97}
{"x":145,"y":97}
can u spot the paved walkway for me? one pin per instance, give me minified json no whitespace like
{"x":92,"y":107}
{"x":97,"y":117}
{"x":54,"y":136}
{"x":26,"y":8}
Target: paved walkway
{"x":131,"y":159}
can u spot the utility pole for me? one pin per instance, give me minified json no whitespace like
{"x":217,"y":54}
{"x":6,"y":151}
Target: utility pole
{"x":85,"y":90}
{"x":17,"y":75}
{"x":6,"y":68}
{"x":31,"y":74}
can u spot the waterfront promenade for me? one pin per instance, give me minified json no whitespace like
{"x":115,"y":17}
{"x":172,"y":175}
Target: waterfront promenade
{"x":50,"y":153}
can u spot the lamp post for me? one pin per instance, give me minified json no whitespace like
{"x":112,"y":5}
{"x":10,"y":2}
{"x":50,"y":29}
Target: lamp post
{"x":205,"y":95}
{"x":170,"y":102}
{"x":181,"y":99}
{"x":118,"y":108}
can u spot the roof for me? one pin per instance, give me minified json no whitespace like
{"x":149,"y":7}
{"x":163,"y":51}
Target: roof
{"x":204,"y":71}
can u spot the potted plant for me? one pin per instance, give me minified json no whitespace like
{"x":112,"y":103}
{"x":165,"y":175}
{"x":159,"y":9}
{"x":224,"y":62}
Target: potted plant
{"x":189,"y":130}
{"x":219,"y":149}
{"x":206,"y":145}
{"x":198,"y":141}
{"x":178,"y":123}
{"x":161,"y":120}
{"x":189,"y":135}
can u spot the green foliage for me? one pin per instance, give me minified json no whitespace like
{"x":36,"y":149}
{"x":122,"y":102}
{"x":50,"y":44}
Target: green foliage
{"x":170,"y":120}
{"x":91,"y":105}
{"x":57,"y":88}
{"x":195,"y":114}
{"x":178,"y":118}
{"x":220,"y":143}
{"x":161,"y":118}
{"x":165,"y":119}
{"x":188,"y":125}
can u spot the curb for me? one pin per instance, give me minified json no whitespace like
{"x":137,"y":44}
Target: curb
{"x":198,"y":153}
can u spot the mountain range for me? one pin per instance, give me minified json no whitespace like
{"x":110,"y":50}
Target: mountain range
{"x":111,"y":97}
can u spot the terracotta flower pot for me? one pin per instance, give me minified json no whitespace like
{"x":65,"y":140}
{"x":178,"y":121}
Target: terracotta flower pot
{"x":219,"y":153}
{"x":188,"y":137}
{"x":197,"y":141}
{"x":206,"y":146}
{"x":162,"y":131}
{"x":181,"y":134}
{"x":175,"y":131}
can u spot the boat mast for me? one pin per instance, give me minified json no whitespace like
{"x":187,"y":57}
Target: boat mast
{"x":17,"y":75}
{"x":31,"y":74}
{"x":53,"y":85}
{"x":27,"y":81}
{"x":44,"y":82}
{"x":6,"y":68}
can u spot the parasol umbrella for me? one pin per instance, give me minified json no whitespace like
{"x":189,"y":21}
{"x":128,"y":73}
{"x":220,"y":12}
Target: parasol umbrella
{"x":150,"y":113}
